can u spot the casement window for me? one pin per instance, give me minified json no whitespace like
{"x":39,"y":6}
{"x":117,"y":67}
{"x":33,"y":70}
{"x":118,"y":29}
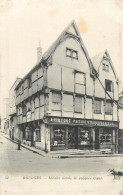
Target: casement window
{"x":38,"y":135}
{"x":97,"y":106}
{"x":108,"y":85}
{"x":108,"y":108}
{"x":78,"y":105}
{"x":56,"y":101}
{"x":71,"y":53}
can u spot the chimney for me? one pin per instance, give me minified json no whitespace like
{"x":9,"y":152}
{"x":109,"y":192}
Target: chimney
{"x":39,"y":52}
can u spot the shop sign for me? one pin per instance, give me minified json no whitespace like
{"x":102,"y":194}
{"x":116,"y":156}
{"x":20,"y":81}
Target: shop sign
{"x":81,"y":121}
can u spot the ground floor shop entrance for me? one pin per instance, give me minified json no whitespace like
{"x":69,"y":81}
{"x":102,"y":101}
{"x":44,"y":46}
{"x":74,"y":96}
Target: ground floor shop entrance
{"x":83,"y":134}
{"x":68,"y":137}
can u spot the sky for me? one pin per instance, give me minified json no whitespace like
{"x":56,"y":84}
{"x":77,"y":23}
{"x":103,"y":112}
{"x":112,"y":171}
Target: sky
{"x":23,"y":23}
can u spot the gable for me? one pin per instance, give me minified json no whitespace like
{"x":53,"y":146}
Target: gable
{"x":70,"y":31}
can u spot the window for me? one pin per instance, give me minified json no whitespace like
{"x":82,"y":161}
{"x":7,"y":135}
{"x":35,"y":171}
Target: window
{"x":108,"y":108}
{"x":84,"y":137}
{"x":71,"y":53}
{"x":108,"y":85}
{"x":105,"y":67}
{"x":78,"y":104}
{"x":22,"y":88}
{"x":29,"y":82}
{"x":79,"y":82}
{"x":105,"y":138}
{"x":59,"y":136}
{"x":56,"y":101}
{"x":75,"y":54}
{"x":24,"y":110}
{"x":68,"y":103}
{"x":28,"y":134}
{"x":97,"y":107}
{"x":68,"y":52}
{"x":38,"y":135}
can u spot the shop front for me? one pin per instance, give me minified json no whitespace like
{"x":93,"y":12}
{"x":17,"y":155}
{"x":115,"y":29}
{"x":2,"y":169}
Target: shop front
{"x":84,"y":134}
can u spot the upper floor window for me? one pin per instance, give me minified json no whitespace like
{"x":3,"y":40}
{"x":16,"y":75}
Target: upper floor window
{"x":108,"y":108}
{"x":79,"y":82}
{"x":71,"y":53}
{"x":56,"y":101}
{"x":29,"y":82}
{"x":97,"y":107}
{"x":22,"y":89}
{"x":78,"y":105}
{"x":24,"y":110}
{"x":108,"y":85}
{"x":105,"y":67}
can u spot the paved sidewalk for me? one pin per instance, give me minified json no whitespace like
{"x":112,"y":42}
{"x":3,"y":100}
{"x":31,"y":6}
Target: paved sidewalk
{"x":66,"y":153}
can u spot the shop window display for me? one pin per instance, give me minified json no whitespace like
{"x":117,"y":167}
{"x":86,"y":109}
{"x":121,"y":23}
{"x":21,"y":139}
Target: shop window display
{"x":59,"y":137}
{"x":84,"y":137}
{"x":105,"y":138}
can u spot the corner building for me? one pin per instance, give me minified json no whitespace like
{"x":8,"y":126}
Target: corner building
{"x":64,"y":102}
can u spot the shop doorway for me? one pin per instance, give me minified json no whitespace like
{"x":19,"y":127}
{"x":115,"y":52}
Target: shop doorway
{"x":97,"y":139}
{"x":72,"y":138}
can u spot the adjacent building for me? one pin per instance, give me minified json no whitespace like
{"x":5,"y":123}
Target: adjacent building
{"x":69,"y":101}
{"x":120,"y":141}
{"x":5,"y":116}
{"x":13,"y":128}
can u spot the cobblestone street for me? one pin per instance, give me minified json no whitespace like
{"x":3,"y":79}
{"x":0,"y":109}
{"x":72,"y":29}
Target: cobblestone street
{"x":22,"y":161}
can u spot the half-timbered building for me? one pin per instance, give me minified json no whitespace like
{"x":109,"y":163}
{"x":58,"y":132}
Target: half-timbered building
{"x":68,"y":101}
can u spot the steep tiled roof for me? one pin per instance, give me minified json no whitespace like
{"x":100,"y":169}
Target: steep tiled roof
{"x":52,"y":48}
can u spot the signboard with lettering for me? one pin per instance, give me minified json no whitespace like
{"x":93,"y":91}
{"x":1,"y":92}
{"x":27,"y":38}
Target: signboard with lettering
{"x":87,"y":122}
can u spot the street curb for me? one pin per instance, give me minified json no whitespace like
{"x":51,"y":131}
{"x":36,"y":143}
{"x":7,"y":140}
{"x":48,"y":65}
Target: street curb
{"x":64,"y":156}
{"x":24,"y":146}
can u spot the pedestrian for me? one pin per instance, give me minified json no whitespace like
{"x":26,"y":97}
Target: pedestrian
{"x":19,"y":144}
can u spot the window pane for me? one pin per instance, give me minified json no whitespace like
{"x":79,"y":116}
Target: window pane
{"x":108,"y":85}
{"x":78,"y":104}
{"x":108,"y":108}
{"x":107,"y":67}
{"x":80,"y":78}
{"x":68,"y":52}
{"x":59,"y":136}
{"x":84,"y":137}
{"x":75,"y":54}
{"x":103,"y":66}
{"x":56,"y":101}
{"x":97,"y":106}
{"x":68,"y":103}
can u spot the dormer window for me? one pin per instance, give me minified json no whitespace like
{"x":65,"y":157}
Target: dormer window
{"x":71,"y":53}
